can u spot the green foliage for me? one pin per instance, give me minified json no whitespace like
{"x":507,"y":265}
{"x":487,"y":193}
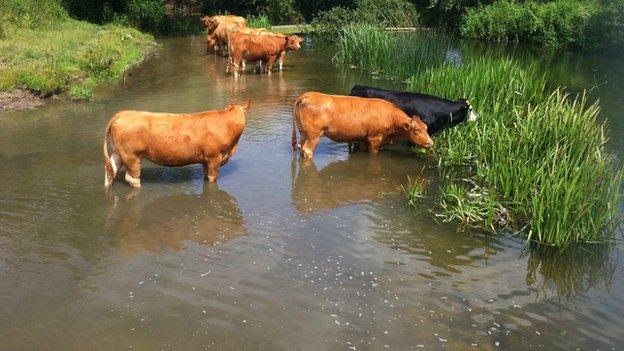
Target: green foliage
{"x":414,"y":192}
{"x":260,"y":21}
{"x":555,"y":24}
{"x":535,"y":157}
{"x":282,"y":11}
{"x":608,"y":26}
{"x":385,"y":13}
{"x":146,"y":14}
{"x":32,"y":13}
{"x":83,"y":91}
{"x":396,"y":55}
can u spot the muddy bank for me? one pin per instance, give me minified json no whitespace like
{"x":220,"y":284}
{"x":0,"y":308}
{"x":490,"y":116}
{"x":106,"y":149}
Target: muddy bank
{"x":19,"y":100}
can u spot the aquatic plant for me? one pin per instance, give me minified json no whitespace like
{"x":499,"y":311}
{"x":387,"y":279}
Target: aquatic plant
{"x":537,"y":157}
{"x":260,"y":21}
{"x":392,"y":54}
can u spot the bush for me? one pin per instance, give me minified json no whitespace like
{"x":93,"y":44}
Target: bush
{"x":555,"y":24}
{"x":146,"y":14}
{"x":385,"y":13}
{"x":608,"y":26}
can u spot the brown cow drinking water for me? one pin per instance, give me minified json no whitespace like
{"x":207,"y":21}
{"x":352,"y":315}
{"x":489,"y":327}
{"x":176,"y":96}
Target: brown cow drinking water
{"x":373,"y":122}
{"x":173,"y":140}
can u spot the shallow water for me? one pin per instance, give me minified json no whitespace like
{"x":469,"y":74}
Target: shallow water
{"x":280,"y":254}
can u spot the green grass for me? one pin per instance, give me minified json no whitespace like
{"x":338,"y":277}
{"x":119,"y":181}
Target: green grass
{"x":392,"y":54}
{"x":260,"y":21}
{"x":535,"y":161}
{"x":536,"y":158}
{"x":68,"y":56}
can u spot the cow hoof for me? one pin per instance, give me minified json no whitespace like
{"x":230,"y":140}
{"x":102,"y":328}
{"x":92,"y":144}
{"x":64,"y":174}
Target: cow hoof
{"x":133,"y":182}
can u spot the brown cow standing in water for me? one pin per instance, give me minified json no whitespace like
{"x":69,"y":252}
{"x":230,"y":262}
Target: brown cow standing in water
{"x":172,"y":140}
{"x":252,"y":48}
{"x":373,"y":122}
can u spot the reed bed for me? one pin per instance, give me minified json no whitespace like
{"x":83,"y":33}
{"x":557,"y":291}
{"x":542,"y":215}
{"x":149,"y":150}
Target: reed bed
{"x":396,"y":55}
{"x":536,"y":158}
{"x":535,"y":161}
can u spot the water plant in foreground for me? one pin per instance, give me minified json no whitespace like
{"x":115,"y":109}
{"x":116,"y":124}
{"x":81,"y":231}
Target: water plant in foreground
{"x":535,"y":155}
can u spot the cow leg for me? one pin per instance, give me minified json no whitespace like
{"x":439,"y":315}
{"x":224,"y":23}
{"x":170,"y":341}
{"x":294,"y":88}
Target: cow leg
{"x":133,"y":172}
{"x":374,"y":143}
{"x":309,"y":144}
{"x":270,"y":63}
{"x":243,"y":65}
{"x":211,"y":169}
{"x":235,"y":67}
{"x":281,"y":60}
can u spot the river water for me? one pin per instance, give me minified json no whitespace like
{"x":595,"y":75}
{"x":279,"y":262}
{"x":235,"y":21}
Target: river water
{"x":280,"y":255}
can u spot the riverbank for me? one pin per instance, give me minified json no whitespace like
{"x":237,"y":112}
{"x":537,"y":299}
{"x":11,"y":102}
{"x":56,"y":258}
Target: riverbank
{"x":71,"y":57}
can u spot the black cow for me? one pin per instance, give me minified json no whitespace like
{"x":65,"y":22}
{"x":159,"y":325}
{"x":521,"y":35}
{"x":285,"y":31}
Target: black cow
{"x":437,"y":113}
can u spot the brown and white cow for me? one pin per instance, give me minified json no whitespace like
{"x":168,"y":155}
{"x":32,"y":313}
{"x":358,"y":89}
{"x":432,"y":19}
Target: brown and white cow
{"x":173,"y":140}
{"x":252,"y":48}
{"x":372,"y":122}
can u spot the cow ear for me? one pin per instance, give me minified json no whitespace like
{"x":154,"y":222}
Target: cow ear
{"x":407,"y":125}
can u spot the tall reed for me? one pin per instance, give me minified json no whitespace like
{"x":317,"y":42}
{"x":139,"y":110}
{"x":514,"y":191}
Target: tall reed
{"x":393,"y":54}
{"x":539,"y":154}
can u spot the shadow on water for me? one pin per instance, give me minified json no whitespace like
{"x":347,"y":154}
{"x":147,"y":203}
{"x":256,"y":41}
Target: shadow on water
{"x":154,"y":223}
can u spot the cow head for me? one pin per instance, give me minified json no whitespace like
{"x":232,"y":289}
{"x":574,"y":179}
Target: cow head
{"x":293,"y":42}
{"x":210,"y":23}
{"x":416,"y":131}
{"x":468,"y":112}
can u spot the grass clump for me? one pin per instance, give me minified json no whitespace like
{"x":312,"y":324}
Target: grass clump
{"x":70,"y":56}
{"x":555,"y":24}
{"x":535,"y":157}
{"x":393,"y":54}
{"x":260,"y":21}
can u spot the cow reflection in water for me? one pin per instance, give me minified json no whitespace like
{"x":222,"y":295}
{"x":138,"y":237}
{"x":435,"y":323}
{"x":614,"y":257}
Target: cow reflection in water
{"x":359,"y":179}
{"x":142,"y":222}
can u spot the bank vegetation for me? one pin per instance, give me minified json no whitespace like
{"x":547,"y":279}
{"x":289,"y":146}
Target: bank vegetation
{"x":45,"y":52}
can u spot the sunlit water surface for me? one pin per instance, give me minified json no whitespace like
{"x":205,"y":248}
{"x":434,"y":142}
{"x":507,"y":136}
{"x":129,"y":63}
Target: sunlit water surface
{"x":280,"y":255}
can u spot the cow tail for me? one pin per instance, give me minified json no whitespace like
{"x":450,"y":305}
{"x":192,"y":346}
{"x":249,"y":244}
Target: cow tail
{"x":298,"y":104}
{"x":108,"y":167}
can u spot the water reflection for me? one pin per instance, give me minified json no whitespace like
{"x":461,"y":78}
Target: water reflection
{"x":358,"y":179}
{"x":570,"y":272}
{"x":143,"y":222}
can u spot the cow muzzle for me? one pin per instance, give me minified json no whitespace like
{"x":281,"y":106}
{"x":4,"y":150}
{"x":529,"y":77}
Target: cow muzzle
{"x":472,"y":117}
